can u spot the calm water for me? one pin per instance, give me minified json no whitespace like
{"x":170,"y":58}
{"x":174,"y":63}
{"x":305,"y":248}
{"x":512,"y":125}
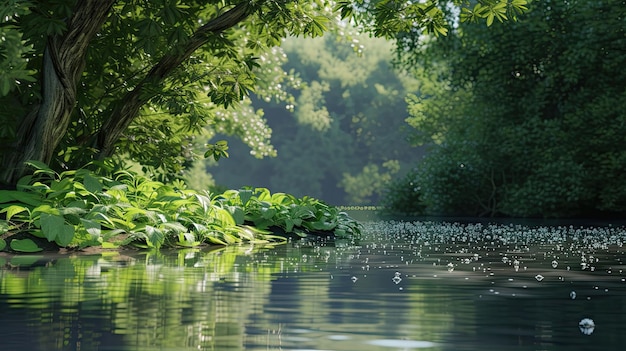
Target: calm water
{"x":404,"y":286}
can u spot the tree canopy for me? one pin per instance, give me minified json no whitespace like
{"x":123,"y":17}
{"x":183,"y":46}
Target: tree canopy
{"x":345,"y":137}
{"x":90,"y":80}
{"x":525,"y":119}
{"x":98,"y":83}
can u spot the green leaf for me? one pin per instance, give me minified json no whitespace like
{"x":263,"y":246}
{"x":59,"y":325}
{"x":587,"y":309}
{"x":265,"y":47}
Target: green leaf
{"x":65,"y":235}
{"x":5,"y":86}
{"x":154,"y":236}
{"x":51,"y":225}
{"x":268,"y":213}
{"x":40,"y":166}
{"x":217,"y":150}
{"x":490,"y":19}
{"x":24,"y":245}
{"x":13,"y":210}
{"x":45,"y":208}
{"x":21,"y":196}
{"x":92,"y":227}
{"x":189,"y":243}
{"x":245,"y":195}
{"x":3,"y":244}
{"x":92,"y":184}
{"x":289,"y":224}
{"x":69,"y":211}
{"x":238,"y":214}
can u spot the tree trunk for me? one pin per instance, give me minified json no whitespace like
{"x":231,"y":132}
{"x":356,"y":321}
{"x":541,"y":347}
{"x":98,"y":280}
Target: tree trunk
{"x":63,"y":59}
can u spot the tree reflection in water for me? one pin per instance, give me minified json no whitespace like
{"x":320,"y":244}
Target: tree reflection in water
{"x":405,"y":286}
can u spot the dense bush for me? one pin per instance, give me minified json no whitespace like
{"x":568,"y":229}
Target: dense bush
{"x":402,"y":196}
{"x":80,"y":208}
{"x":529,"y":118}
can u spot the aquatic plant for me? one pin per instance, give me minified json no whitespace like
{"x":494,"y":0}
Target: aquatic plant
{"x":80,"y":208}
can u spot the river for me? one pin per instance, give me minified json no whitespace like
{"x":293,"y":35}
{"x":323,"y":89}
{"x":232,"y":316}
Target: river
{"x":403,"y":286}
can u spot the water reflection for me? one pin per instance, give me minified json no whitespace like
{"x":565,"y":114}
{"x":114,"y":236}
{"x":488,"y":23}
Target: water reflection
{"x":405,"y":286}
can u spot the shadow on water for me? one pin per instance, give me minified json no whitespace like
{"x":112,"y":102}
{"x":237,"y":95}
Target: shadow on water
{"x":431,"y":285}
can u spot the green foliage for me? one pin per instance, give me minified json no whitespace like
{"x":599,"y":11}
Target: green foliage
{"x":371,"y":181}
{"x":346,"y":123}
{"x":299,"y":216}
{"x":533,"y":129}
{"x":173,"y":110}
{"x":24,"y":245}
{"x":217,"y":150}
{"x":490,"y":10}
{"x":80,"y":208}
{"x":453,"y":181}
{"x":153,"y":78}
{"x":388,"y":18}
{"x":312,"y":109}
{"x":197,"y":178}
{"x":161,"y":286}
{"x":402,"y":196}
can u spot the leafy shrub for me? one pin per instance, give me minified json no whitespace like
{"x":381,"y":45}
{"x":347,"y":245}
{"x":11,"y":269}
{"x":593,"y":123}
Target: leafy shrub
{"x":80,"y":208}
{"x":293,"y":215}
{"x":403,"y":196}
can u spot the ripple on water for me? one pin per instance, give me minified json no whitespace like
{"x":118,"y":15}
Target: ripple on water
{"x":402,"y":344}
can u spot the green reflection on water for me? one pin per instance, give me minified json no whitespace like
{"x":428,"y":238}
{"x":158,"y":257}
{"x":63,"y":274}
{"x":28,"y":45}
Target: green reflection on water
{"x":459,"y":290}
{"x":179,"y":300}
{"x":237,"y":298}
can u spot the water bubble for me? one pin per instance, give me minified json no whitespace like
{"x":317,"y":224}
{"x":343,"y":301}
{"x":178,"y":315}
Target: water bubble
{"x":539,"y":277}
{"x":450,"y":267}
{"x":396,"y":279}
{"x":555,"y":264}
{"x":354,"y":279}
{"x":572,"y":295}
{"x":586,"y":326}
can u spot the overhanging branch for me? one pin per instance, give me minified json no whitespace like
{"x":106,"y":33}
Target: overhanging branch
{"x":128,"y":108}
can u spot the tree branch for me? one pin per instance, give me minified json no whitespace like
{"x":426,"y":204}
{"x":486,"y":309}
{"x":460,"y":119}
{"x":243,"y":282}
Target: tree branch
{"x":129,"y":106}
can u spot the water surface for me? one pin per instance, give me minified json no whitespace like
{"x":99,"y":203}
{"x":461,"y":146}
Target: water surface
{"x":404,"y":286}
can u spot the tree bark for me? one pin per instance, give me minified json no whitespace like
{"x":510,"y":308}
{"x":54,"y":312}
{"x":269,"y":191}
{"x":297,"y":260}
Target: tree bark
{"x":128,"y":107}
{"x":43,"y":128}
